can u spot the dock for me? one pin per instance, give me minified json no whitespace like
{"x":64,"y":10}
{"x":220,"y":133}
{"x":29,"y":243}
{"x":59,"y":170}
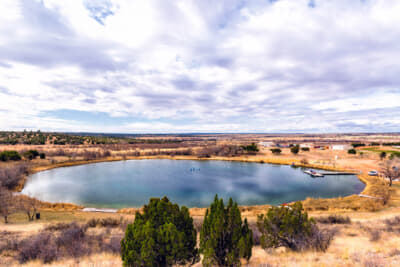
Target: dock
{"x":314,"y":173}
{"x":337,"y":173}
{"x":322,"y":174}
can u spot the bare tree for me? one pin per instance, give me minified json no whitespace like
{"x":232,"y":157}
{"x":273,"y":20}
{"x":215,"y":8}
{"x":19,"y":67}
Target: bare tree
{"x":29,"y":205}
{"x":391,"y":170}
{"x":10,"y":177}
{"x":6,"y":203}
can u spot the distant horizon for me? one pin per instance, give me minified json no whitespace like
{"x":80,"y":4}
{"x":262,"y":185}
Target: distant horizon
{"x":198,"y":133}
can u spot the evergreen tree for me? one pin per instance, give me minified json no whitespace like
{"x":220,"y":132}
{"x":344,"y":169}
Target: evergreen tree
{"x":295,"y":149}
{"x":163,"y":235}
{"x":286,"y":226}
{"x":224,"y":239}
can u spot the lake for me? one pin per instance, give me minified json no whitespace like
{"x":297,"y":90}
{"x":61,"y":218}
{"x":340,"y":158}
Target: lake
{"x":192,"y":183}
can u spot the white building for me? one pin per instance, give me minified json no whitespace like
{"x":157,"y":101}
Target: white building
{"x":266,"y":144}
{"x":340,"y":147}
{"x":308,"y":145}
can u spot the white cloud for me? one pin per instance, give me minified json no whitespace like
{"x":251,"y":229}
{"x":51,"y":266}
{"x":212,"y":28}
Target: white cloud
{"x":213,"y":65}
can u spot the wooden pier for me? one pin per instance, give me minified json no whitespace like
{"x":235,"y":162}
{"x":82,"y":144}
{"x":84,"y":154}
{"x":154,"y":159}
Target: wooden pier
{"x":322,"y":174}
{"x":337,"y":173}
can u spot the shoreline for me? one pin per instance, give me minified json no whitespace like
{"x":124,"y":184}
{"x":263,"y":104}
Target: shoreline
{"x":279,"y":161}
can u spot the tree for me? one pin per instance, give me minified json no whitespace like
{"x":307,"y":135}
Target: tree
{"x":29,"y":205}
{"x":31,"y":154}
{"x":10,"y":155}
{"x":352,"y":151}
{"x":6,"y":203}
{"x":251,"y":148}
{"x":355,"y":145}
{"x":286,"y":226}
{"x":295,"y":149}
{"x":224,"y":238}
{"x":163,"y":235}
{"x":391,"y":170}
{"x":276,"y":151}
{"x":10,"y":176}
{"x":382,"y":155}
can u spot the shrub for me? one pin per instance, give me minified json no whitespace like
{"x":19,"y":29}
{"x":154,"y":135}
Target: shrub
{"x":290,"y":227}
{"x":42,"y":155}
{"x":250,"y":148}
{"x":6,"y":203}
{"x":110,"y":222}
{"x":352,"y":151}
{"x":357,"y":145}
{"x":256,"y":233}
{"x":71,"y":239}
{"x":163,"y":236}
{"x":57,"y":227}
{"x":105,"y":222}
{"x":31,"y":154}
{"x":295,"y":149}
{"x":334,"y":219}
{"x":93,"y":222}
{"x":305,"y":149}
{"x":304,"y":161}
{"x":224,"y":238}
{"x":113,"y":245}
{"x":10,"y":155}
{"x":374,"y":234}
{"x":276,"y":150}
{"x":41,"y":246}
{"x":10,"y":176}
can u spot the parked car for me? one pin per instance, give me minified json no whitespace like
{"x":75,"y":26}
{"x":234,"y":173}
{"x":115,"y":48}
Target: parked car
{"x":373,"y":173}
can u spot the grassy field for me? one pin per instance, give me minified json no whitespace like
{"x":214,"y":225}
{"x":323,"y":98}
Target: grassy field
{"x":370,"y":239}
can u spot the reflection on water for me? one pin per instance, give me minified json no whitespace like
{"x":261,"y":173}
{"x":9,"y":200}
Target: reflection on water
{"x":191,"y":183}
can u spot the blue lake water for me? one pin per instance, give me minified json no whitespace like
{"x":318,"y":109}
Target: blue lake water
{"x":187,"y":182}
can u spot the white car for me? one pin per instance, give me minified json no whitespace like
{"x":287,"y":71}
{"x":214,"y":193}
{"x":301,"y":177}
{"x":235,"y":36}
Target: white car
{"x":373,"y":173}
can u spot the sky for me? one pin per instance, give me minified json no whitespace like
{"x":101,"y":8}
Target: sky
{"x":182,"y":66}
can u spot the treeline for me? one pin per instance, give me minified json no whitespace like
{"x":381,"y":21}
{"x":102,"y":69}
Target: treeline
{"x":12,"y":155}
{"x":225,"y":151}
{"x":154,"y":141}
{"x":391,"y":144}
{"x":355,"y":145}
{"x":39,"y":138}
{"x":123,"y":151}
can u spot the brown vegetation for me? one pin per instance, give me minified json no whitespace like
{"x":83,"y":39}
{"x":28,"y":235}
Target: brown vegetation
{"x":68,"y":240}
{"x":359,"y":237}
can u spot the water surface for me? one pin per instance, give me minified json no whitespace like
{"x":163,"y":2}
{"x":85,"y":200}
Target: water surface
{"x":187,"y":182}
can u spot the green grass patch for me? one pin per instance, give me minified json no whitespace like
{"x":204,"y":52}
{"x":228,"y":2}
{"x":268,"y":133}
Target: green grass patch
{"x":377,"y":150}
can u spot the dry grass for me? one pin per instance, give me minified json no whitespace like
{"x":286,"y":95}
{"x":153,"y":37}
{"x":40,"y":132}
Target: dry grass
{"x":351,"y":246}
{"x":372,"y":238}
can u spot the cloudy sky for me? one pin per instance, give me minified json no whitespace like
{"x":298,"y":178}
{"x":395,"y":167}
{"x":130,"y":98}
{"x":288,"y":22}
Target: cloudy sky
{"x":200,"y":66}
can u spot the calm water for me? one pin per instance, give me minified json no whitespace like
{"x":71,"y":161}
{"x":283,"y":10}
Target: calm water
{"x":186,"y":182}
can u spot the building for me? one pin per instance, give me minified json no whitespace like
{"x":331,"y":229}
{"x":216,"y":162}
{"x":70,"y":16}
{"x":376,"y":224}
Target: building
{"x":306,"y":145}
{"x":266,"y":144}
{"x":283,"y":145}
{"x":340,"y":147}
